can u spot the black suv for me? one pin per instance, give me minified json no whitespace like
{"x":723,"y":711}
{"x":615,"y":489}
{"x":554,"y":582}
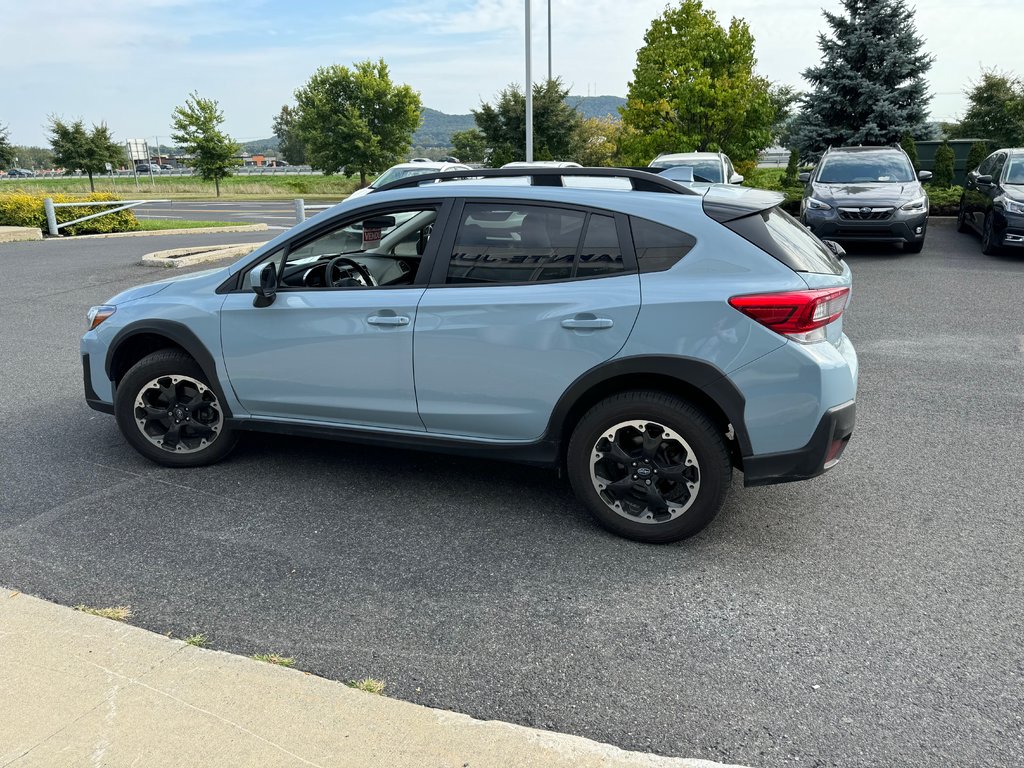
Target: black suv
{"x":866,"y":194}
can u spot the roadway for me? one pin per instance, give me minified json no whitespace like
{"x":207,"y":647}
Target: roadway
{"x":871,"y":617}
{"x":278,"y":214}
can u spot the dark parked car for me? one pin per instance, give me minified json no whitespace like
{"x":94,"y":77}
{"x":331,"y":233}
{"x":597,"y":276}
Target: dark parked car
{"x":993,"y":201}
{"x":15,"y":173}
{"x":866,"y":194}
{"x":146,"y":168}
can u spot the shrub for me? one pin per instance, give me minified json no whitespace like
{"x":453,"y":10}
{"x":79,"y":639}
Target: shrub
{"x":978,"y":153}
{"x":944,"y":202}
{"x":25,"y":209}
{"x":789,"y":178}
{"x":910,"y":147}
{"x":942,"y":175}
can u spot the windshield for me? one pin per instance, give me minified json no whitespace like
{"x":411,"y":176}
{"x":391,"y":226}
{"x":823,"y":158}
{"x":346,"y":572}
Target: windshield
{"x":394,"y":174}
{"x":865,"y":168}
{"x":707,"y":169}
{"x":1015,"y":174}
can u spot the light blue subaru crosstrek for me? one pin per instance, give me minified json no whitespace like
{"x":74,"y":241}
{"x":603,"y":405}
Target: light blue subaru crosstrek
{"x":646,"y":336}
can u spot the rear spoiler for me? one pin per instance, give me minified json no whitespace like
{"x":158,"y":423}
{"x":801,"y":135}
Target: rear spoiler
{"x":729,"y":202}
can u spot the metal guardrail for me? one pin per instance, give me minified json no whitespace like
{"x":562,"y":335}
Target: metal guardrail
{"x":51,"y":213}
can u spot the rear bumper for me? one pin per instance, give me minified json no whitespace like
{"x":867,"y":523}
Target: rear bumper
{"x":821,"y":453}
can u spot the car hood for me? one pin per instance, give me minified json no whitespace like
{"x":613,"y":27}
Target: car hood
{"x":187,"y":282}
{"x":1014,"y":192}
{"x":868,"y":194}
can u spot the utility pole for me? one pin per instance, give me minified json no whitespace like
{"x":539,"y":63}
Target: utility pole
{"x":529,"y":91}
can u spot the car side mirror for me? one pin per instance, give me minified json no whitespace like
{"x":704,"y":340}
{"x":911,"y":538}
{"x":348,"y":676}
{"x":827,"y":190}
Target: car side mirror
{"x":804,"y":177}
{"x":263,"y":282}
{"x":736,"y":178}
{"x":924,"y":175}
{"x":985,"y":180}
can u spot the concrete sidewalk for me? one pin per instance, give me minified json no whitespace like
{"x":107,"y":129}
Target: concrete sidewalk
{"x":79,"y":690}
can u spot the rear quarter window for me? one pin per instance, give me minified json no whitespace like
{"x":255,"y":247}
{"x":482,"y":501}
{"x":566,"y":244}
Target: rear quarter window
{"x":657,"y":246}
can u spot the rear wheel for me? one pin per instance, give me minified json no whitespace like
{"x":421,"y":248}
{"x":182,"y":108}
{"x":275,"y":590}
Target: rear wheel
{"x":961,"y":217}
{"x":989,"y":246}
{"x":649,"y":466}
{"x":168,"y":412}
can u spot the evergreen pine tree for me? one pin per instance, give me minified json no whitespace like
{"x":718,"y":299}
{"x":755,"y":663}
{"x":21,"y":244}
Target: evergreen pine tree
{"x":942,"y":176}
{"x":870,"y":87}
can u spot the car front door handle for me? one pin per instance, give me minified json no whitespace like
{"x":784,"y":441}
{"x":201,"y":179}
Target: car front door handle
{"x":588,"y":322}
{"x":387,"y":320}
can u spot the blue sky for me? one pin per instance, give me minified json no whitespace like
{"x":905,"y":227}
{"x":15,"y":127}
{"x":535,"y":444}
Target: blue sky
{"x":129,"y":62}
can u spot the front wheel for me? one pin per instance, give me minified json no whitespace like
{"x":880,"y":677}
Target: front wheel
{"x":649,"y":466}
{"x":168,"y":412}
{"x":961,"y":217}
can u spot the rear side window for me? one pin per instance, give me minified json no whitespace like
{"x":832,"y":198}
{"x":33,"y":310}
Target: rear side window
{"x":658,"y":247}
{"x":512,"y":243}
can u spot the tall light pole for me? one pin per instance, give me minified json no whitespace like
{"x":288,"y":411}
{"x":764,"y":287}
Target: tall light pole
{"x":549,"y":41}
{"x":529,"y":92}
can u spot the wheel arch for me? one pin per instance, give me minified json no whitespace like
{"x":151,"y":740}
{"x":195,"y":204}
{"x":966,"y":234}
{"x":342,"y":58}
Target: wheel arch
{"x":696,"y":381}
{"x":136,"y":340}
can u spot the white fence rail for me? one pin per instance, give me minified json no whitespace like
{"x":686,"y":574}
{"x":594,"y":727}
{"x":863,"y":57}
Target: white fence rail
{"x":51,"y":211}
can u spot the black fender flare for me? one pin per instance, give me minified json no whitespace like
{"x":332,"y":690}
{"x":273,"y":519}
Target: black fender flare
{"x":695,"y":374}
{"x":180,"y":335}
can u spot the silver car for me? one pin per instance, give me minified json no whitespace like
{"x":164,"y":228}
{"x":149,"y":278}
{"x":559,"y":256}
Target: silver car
{"x":708,"y":167}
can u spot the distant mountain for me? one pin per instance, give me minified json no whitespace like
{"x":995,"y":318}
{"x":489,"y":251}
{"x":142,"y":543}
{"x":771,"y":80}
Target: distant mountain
{"x":438,"y":127}
{"x":597,"y":106}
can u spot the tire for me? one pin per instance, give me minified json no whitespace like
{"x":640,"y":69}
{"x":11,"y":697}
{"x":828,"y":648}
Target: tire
{"x":168,"y":412}
{"x":913,"y":247}
{"x":988,"y":244}
{"x":961,"y":218}
{"x":664,"y":435}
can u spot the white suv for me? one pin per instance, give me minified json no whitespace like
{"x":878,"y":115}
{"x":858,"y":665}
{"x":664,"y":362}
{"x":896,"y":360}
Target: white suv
{"x":404,"y":170}
{"x":709,"y":167}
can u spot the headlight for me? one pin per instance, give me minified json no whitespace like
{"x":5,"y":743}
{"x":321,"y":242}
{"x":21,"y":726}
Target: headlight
{"x":1012,"y":206}
{"x":97,"y":315}
{"x":917,"y":205}
{"x":817,"y":205}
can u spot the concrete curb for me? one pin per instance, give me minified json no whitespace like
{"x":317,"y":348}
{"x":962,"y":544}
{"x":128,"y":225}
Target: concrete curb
{"x":19,"y":234}
{"x":186,"y":231}
{"x":81,"y":689}
{"x":196,"y":254}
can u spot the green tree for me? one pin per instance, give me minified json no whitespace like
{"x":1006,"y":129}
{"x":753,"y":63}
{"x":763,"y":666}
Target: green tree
{"x":595,"y":141}
{"x":196,"y":129}
{"x":995,"y":111}
{"x":33,"y":157}
{"x":694,"y":88}
{"x":7,"y":153}
{"x":288,"y":142}
{"x":910,"y":147}
{"x":503,"y":124}
{"x":784,"y":99}
{"x":791,"y":177}
{"x":979,"y":151}
{"x":870,"y":87}
{"x":469,"y":146}
{"x":942,"y":175}
{"x":356,"y":119}
{"x":75,"y":148}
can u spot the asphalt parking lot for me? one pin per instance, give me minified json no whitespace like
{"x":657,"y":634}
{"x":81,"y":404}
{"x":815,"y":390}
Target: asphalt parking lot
{"x":277,"y":214}
{"x":871,"y":617}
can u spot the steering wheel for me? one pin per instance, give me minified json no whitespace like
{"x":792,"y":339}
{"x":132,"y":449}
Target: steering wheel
{"x":352,"y":266}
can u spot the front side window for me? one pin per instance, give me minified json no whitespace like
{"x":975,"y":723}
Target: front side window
{"x":512,"y":243}
{"x":865,"y":168}
{"x":382,"y":248}
{"x":1015,"y":175}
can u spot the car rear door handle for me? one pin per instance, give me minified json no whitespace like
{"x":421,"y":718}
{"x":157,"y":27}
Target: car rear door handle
{"x":588,"y":322}
{"x":387,"y":320}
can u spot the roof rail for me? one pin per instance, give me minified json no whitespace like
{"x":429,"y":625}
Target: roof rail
{"x":640,"y":180}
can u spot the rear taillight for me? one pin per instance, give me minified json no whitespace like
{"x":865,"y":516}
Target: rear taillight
{"x":796,"y":314}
